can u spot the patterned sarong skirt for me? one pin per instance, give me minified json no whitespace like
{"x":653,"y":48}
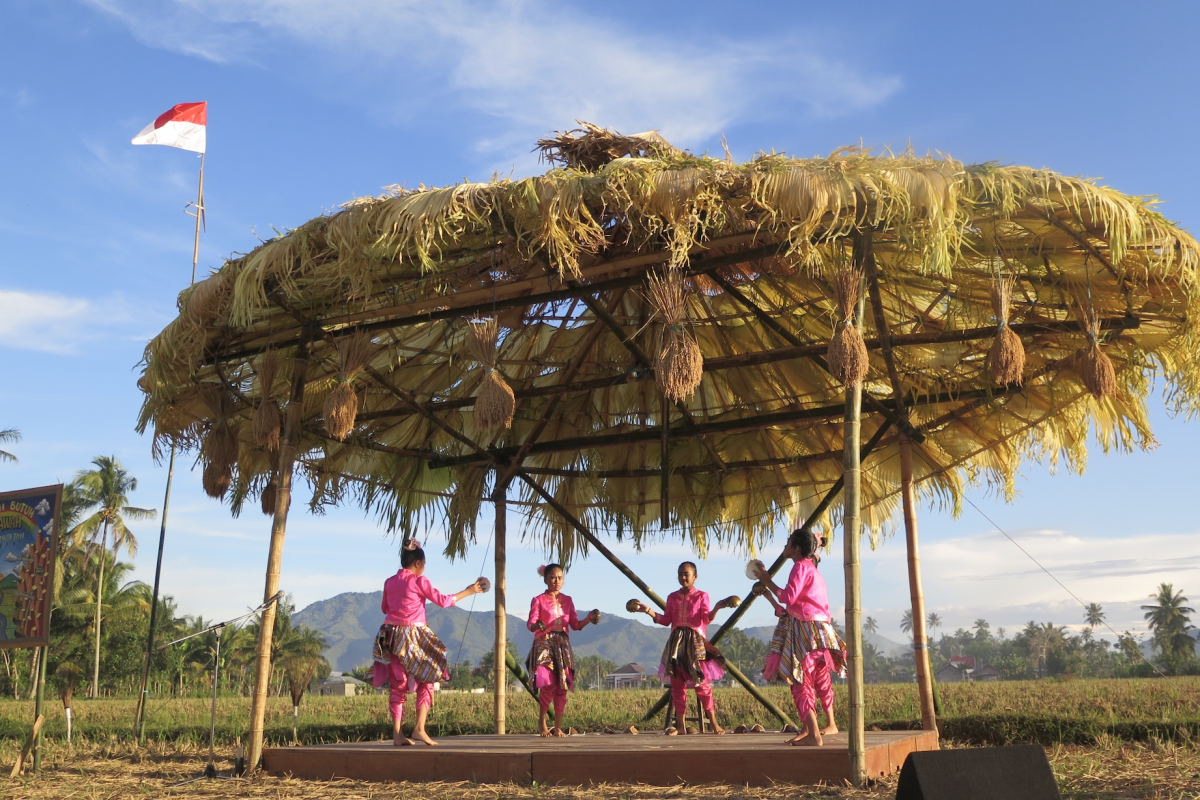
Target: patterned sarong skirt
{"x":418,"y":649}
{"x":690,"y":656}
{"x":551,"y":660}
{"x":795,"y":638}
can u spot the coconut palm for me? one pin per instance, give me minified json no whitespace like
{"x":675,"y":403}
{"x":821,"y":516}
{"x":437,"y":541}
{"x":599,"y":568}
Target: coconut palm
{"x":933,"y":621}
{"x":871,"y":625}
{"x":906,"y":622}
{"x":301,"y":659}
{"x":9,"y":435}
{"x":1094,"y":615}
{"x":982,"y":629}
{"x":107,"y":488}
{"x":1171,"y":622}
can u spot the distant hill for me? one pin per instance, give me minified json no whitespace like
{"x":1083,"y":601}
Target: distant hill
{"x":884,"y":645}
{"x":350,"y":621}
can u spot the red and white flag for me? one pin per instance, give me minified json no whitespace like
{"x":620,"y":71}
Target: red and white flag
{"x":183,"y":126}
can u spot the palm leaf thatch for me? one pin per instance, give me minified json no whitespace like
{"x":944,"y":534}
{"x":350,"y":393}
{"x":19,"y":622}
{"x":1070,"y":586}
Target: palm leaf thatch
{"x":564,"y":263}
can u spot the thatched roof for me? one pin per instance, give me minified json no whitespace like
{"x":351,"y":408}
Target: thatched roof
{"x":561,"y":260}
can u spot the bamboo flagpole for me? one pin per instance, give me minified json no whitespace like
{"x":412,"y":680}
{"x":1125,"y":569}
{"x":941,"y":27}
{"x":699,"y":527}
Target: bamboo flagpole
{"x":499,"y":675}
{"x":184,"y":126}
{"x":283,"y":499}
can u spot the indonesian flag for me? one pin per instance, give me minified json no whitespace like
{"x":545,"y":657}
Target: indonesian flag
{"x":183,"y":127}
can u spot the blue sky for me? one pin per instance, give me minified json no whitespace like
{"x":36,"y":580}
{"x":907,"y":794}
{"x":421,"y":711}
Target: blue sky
{"x":314,"y":102}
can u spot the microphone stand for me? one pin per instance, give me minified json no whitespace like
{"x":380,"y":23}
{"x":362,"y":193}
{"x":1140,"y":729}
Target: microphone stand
{"x":210,"y":771}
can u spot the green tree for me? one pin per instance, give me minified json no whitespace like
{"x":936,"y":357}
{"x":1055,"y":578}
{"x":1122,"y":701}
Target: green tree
{"x":1094,"y":615}
{"x":107,"y":489}
{"x":590,"y":670}
{"x":9,"y":435}
{"x":1171,"y":622}
{"x":983,"y":630}
{"x":906,"y":622}
{"x":933,"y":621}
{"x":871,"y":625}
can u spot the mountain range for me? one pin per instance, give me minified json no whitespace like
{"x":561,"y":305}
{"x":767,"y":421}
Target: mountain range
{"x":349,"y":622}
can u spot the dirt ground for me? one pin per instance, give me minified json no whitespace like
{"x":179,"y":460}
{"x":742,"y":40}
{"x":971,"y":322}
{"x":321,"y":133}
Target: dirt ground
{"x":1108,"y":771}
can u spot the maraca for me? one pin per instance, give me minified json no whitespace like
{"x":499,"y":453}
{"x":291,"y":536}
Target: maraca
{"x":633,"y":606}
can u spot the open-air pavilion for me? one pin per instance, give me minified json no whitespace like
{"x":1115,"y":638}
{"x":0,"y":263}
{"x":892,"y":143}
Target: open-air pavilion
{"x":644,"y":344}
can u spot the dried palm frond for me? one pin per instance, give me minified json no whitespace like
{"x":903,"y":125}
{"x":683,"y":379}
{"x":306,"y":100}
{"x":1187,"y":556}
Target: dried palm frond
{"x":1094,"y":366}
{"x":679,"y":366}
{"x":206,"y":297}
{"x":495,"y":404}
{"x":266,"y":415}
{"x":341,"y":405}
{"x":1006,"y":358}
{"x":591,"y":147}
{"x":847,"y":354}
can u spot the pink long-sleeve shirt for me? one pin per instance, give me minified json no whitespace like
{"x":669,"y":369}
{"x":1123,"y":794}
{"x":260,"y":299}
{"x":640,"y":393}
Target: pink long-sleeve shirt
{"x":805,"y":596}
{"x":404,"y":596}
{"x":686,"y":610}
{"x":556,"y":612}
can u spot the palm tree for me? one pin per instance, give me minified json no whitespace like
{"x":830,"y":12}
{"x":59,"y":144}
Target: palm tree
{"x":906,"y":622}
{"x":871,"y":625}
{"x":107,"y":488}
{"x":933,"y":621}
{"x":1171,"y":622}
{"x":301,"y":659}
{"x":1093,"y":615}
{"x":982,"y":628}
{"x":9,"y":435}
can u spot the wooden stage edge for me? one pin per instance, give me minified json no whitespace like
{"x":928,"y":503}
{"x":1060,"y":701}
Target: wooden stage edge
{"x":755,"y":759}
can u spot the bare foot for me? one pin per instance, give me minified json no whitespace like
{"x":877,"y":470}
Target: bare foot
{"x":830,"y":729}
{"x":543,"y":730}
{"x":717,"y":729}
{"x":424,"y":737}
{"x":400,"y":740}
{"x":558,"y":731}
{"x":672,"y":732}
{"x":809,"y":740}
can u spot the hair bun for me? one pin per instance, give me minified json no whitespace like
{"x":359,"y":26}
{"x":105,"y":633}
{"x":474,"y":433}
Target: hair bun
{"x":412,"y":544}
{"x":542,"y":571}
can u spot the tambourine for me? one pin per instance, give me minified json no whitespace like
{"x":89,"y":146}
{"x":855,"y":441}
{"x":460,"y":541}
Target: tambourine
{"x":484,"y":583}
{"x":751,"y":566}
{"x":633,"y":606}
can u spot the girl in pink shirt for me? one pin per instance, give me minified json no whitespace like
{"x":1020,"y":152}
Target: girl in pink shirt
{"x":408,"y":656}
{"x":551,"y":661}
{"x":689,"y":659}
{"x":805,"y":646}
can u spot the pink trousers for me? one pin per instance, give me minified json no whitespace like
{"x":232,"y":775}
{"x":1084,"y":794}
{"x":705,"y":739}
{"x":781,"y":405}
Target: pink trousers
{"x":817,"y":684}
{"x":399,"y":685}
{"x":553,"y":694}
{"x":704,"y":697}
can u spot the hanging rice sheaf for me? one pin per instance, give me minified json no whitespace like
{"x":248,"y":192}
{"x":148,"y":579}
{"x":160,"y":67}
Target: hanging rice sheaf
{"x":266,"y":415}
{"x":847,"y":354}
{"x":679,"y":365}
{"x":269,"y":494}
{"x":495,"y":403}
{"x":216,"y":479}
{"x":341,"y":406}
{"x":1006,"y":358}
{"x":219,"y":448}
{"x":1094,"y":365}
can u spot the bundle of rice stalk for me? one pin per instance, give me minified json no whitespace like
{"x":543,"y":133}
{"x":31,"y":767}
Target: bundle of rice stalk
{"x":495,"y":403}
{"x":1094,"y":365}
{"x":1006,"y":358}
{"x":341,"y":406}
{"x":679,"y":365}
{"x":216,"y":479}
{"x":266,"y":416}
{"x":268,"y":496}
{"x":847,"y":353}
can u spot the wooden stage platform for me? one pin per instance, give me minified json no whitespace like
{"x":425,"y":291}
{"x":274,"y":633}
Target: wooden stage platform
{"x":652,"y":758}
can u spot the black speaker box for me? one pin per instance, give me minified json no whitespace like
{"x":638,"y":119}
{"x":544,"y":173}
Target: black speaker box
{"x":983,"y":773}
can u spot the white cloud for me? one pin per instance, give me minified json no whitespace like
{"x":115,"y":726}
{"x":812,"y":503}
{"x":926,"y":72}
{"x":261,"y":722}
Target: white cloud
{"x":53,"y":323}
{"x":532,"y":65}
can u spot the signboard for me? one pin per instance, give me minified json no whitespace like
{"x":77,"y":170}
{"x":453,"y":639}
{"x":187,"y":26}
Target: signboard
{"x":28,"y":541}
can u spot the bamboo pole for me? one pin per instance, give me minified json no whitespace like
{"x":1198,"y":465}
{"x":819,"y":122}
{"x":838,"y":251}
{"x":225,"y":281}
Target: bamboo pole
{"x":851,"y":532}
{"x":39,"y":705}
{"x":915,"y":590}
{"x":139,"y":716}
{"x":500,"y":676}
{"x":283,"y":499}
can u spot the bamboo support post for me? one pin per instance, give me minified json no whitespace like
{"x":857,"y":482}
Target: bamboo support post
{"x":139,"y":716}
{"x":908,"y":494}
{"x":500,"y":677}
{"x":283,"y":499}
{"x":851,"y":532}
{"x":39,"y":705}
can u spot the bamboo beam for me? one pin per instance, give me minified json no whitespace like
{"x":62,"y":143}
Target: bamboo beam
{"x":283,"y":499}
{"x":851,"y":542}
{"x":908,"y":495}
{"x":796,"y":351}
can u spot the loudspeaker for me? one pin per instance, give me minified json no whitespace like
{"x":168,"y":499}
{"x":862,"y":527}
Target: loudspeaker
{"x":982,"y":773}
